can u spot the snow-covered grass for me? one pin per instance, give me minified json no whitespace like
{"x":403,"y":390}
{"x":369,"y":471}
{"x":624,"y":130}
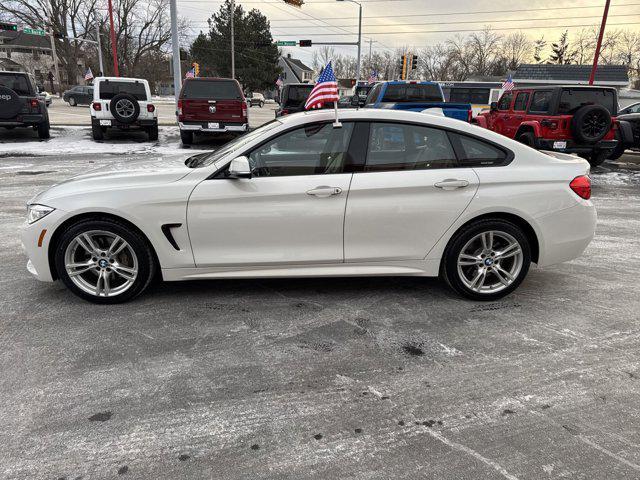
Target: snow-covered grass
{"x":78,"y":140}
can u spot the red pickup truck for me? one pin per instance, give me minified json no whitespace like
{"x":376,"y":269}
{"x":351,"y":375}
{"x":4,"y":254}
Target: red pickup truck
{"x":571,"y":119}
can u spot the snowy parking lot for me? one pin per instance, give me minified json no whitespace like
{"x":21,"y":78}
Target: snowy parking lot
{"x":318,"y":378}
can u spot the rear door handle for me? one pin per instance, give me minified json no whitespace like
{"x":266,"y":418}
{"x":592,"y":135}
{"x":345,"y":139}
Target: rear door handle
{"x":452,"y":184}
{"x":324,"y":191}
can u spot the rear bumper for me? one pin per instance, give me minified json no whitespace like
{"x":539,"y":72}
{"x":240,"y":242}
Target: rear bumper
{"x":140,"y":123}
{"x":224,"y":127}
{"x":24,"y":120}
{"x":573,"y":147}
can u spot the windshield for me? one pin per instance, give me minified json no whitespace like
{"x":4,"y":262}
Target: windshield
{"x":571,"y":99}
{"x":203,"y":160}
{"x":110,"y":88}
{"x":412,"y":93}
{"x":17,"y":82}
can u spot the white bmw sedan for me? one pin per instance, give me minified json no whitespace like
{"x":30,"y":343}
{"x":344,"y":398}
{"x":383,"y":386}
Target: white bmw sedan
{"x":386,"y":193}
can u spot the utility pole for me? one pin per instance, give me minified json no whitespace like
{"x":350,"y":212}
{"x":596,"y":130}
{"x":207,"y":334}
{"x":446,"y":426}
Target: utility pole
{"x":600,"y":36}
{"x":233,"y":53}
{"x":99,"y":46}
{"x":175,"y":44}
{"x":114,"y":48}
{"x":359,"y":41}
{"x":53,"y":48}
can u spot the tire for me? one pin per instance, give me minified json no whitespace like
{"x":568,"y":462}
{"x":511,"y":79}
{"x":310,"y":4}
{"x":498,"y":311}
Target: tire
{"x":72,"y":102}
{"x":186,"y":137}
{"x":528,"y":138}
{"x":124,"y":108}
{"x":598,"y":157}
{"x":617,"y":152}
{"x":135,"y":262}
{"x":97,"y":132}
{"x":152,"y":133}
{"x":590,"y":123}
{"x":261,"y":104}
{"x":468,"y":239}
{"x":44,"y":130}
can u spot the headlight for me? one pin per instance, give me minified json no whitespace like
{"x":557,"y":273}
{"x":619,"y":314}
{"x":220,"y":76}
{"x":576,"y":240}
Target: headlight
{"x":35,"y":212}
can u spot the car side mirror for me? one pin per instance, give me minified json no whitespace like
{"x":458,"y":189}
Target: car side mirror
{"x":239,"y":168}
{"x":493,"y":106}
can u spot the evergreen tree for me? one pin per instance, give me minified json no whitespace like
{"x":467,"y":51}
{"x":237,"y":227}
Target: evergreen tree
{"x":256,"y":56}
{"x":561,"y":53}
{"x":538,"y":47}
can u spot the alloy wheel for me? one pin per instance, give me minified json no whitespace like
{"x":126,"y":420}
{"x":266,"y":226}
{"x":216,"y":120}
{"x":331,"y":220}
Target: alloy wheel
{"x":490,"y":262}
{"x":101,"y":263}
{"x":125,"y":108}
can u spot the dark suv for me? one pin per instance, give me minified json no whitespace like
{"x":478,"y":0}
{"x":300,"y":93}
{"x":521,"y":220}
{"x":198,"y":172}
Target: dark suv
{"x":293,"y":97}
{"x":571,"y":119}
{"x":211,"y":106}
{"x":20,"y":105}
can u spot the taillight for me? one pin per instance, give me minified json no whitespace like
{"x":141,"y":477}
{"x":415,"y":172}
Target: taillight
{"x":34,"y":103}
{"x":97,"y":106}
{"x":469,"y":115}
{"x":244,"y":109}
{"x":179,"y":107}
{"x":581,"y":186}
{"x":150,"y":108}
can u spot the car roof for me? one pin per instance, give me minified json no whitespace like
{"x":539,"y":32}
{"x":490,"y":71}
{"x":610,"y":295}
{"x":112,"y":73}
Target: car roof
{"x":120,"y":79}
{"x":209,"y":79}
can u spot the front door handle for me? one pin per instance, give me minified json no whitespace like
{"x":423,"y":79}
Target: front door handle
{"x":452,"y":184}
{"x":324,"y":191}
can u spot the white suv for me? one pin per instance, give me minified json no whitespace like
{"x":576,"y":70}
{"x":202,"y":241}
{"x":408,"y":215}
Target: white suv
{"x":123,"y":103}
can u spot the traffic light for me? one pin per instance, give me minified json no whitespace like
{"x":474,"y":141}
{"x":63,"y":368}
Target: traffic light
{"x":414,"y":62}
{"x":403,"y":67}
{"x":305,"y":43}
{"x":196,"y":68}
{"x":8,"y":26}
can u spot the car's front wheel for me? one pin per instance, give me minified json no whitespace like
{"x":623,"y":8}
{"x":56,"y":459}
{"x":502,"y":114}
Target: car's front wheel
{"x":44,"y":130}
{"x":487,"y":259}
{"x":72,"y":102}
{"x":104,"y":261}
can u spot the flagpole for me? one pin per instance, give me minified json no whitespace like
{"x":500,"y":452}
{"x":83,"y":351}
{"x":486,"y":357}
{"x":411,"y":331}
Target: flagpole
{"x":337,"y":123}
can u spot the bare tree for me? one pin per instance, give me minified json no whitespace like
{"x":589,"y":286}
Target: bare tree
{"x":516,"y":49}
{"x":484,"y":48}
{"x":584,"y":46}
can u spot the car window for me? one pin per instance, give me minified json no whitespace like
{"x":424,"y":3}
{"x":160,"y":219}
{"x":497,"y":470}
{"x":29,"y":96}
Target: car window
{"x":634,"y":108}
{"x":469,"y":95}
{"x":398,"y":146}
{"x":314,"y":149}
{"x":410,"y":92}
{"x":213,"y":89}
{"x":373,"y":95}
{"x":19,"y":83}
{"x":505,"y":101}
{"x":521,"y":101}
{"x":111,"y":88}
{"x":541,"y":101}
{"x":478,"y":153}
{"x":572,"y":99}
{"x":296,"y":95}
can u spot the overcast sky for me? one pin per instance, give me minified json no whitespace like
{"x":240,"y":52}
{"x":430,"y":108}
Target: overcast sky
{"x":383,"y":19}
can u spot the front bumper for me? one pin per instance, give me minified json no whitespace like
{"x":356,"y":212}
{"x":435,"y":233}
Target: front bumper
{"x":30,"y":235}
{"x":223,"y":127}
{"x":573,"y":147}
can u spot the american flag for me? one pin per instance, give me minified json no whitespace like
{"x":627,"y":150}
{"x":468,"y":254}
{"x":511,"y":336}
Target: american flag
{"x":508,"y":84}
{"x":191,"y":73}
{"x":373,"y":78}
{"x":88,"y":75}
{"x":325,"y":89}
{"x":279,"y":82}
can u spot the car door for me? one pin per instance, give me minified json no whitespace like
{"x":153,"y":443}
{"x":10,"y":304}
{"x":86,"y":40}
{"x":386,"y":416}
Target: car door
{"x":502,"y":115}
{"x":410,"y":192}
{"x":517,"y":114}
{"x":290,"y":212}
{"x":88,"y":95}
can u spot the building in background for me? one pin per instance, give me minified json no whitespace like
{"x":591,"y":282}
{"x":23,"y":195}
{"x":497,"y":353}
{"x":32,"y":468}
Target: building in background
{"x":294,"y":71}
{"x":533,"y":75}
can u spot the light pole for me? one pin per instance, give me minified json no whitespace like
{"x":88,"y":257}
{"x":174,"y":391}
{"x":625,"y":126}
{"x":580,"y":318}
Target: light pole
{"x":359,"y":35}
{"x":175,"y":46}
{"x":233,"y":52}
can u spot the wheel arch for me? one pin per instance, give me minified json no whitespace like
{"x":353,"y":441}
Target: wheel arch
{"x":528,"y":127}
{"x":55,"y":237}
{"x":526,"y":227}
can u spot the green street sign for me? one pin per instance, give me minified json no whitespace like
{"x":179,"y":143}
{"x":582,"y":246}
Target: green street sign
{"x":286,"y":43}
{"x":33,"y":31}
{"x":12,"y":27}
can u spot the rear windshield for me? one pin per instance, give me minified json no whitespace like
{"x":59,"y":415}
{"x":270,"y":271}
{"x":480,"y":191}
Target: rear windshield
{"x":467,"y":95}
{"x":212,"y":89}
{"x":571,"y":99}
{"x":296,"y":95}
{"x":412,"y":93}
{"x":111,"y":88}
{"x":16,"y":82}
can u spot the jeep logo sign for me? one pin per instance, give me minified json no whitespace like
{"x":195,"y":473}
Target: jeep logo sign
{"x":5,"y":97}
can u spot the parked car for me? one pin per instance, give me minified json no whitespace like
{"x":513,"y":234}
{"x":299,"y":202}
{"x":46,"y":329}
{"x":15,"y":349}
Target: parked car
{"x":570,"y":119}
{"x":347,"y":101}
{"x":416,"y":97}
{"x":20,"y":105}
{"x":388,"y":193}
{"x":122,"y":103}
{"x":46,"y":96}
{"x":362,"y":91}
{"x":78,"y":95}
{"x":293,"y":97}
{"x":633,"y":108}
{"x":257,"y":99}
{"x":632,"y":140}
{"x":211,"y":106}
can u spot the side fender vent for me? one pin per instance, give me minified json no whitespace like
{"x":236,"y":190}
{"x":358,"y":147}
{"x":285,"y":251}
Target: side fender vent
{"x":166,"y":229}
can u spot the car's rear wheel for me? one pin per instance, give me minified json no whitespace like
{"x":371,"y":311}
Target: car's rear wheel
{"x":598,"y":157}
{"x":44,"y":130}
{"x":152,"y":133}
{"x":528,"y":138}
{"x":97,"y":132}
{"x":104,"y":261}
{"x":617,"y":152}
{"x":487,"y":259}
{"x":72,"y":102}
{"x":186,"y":137}
{"x":261,"y":104}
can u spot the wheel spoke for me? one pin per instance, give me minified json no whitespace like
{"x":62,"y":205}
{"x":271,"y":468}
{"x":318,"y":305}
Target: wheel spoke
{"x":113,"y":251}
{"x":98,"y":282}
{"x":85,"y":242}
{"x":466,"y":260}
{"x":505,"y":277}
{"x":105,"y":282}
{"x":478,"y":280}
{"x":125,"y":272}
{"x":511,"y":250}
{"x":78,"y":268}
{"x":487,"y":240}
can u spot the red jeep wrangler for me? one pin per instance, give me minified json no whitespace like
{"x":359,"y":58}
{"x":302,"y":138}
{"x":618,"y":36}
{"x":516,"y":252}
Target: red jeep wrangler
{"x":571,"y":119}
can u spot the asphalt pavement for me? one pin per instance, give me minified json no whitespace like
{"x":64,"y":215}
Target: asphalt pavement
{"x":366,"y":378}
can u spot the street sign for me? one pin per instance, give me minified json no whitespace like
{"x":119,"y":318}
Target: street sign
{"x":286,"y":43}
{"x":8,"y":26}
{"x":34,"y":31}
